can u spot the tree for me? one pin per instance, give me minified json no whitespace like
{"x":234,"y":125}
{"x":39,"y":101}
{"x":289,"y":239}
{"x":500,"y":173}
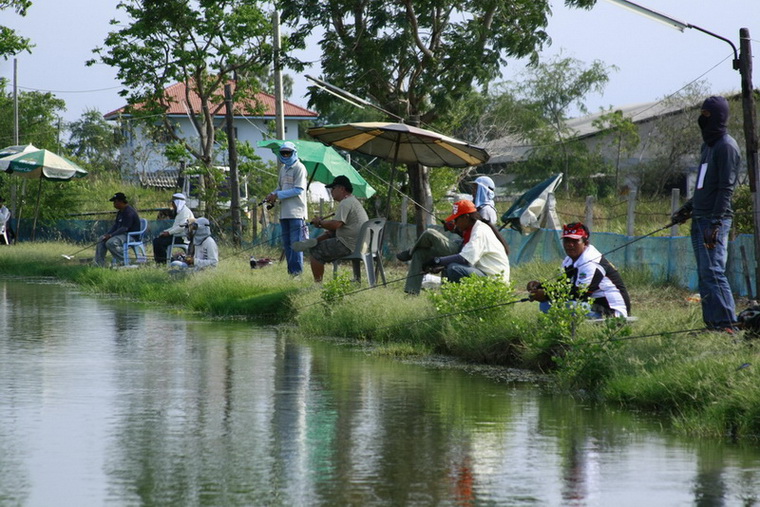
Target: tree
{"x":12,"y":43}
{"x":93,"y":139}
{"x":623,"y":136}
{"x":417,"y":58}
{"x":554,"y":86}
{"x":202,"y":44}
{"x":39,"y":120}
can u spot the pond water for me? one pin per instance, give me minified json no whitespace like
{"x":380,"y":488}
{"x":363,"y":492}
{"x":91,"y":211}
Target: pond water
{"x":107,"y":402}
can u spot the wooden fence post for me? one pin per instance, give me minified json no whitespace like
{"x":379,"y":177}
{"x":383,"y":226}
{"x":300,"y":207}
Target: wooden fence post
{"x":675,"y":203}
{"x":589,"y":220}
{"x":631,"y":216}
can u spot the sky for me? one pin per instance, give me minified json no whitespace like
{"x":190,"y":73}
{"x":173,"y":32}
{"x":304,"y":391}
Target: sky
{"x":653,"y":60}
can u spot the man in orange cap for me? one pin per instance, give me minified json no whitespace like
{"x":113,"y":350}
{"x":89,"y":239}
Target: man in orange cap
{"x":481,"y":252}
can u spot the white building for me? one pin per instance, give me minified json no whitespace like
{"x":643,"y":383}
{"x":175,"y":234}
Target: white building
{"x":143,"y":153}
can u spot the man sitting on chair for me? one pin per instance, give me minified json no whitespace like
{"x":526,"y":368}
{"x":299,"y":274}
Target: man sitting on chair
{"x":5,"y":217}
{"x":341,"y":233}
{"x":127,"y":220}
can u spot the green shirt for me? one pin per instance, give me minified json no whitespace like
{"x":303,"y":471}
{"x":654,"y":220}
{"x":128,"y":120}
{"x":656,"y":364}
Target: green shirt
{"x":352,"y":214}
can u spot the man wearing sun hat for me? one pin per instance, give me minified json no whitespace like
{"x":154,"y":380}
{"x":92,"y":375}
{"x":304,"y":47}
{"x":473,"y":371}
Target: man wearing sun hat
{"x":177,"y":233}
{"x":291,"y":192}
{"x":5,"y":216}
{"x":595,"y":279}
{"x":481,"y":251}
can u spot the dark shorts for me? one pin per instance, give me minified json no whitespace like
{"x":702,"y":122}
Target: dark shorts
{"x":329,"y":250}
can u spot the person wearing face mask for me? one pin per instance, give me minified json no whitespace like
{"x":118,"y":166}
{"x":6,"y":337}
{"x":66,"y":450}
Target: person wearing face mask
{"x":177,"y":232}
{"x":291,"y":192}
{"x":711,"y":214}
{"x":483,"y":194}
{"x":205,"y":252}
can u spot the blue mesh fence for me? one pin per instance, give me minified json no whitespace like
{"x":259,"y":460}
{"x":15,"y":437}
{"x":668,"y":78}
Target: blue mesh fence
{"x":666,"y":258}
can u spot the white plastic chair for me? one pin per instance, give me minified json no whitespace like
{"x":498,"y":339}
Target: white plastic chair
{"x":369,"y":249}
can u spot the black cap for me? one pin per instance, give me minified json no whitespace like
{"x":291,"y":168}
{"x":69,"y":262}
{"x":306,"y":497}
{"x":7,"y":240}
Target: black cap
{"x":118,"y":196}
{"x":342,"y":181}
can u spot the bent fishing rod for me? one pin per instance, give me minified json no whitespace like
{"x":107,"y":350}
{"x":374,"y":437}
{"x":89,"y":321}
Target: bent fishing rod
{"x":69,"y":257}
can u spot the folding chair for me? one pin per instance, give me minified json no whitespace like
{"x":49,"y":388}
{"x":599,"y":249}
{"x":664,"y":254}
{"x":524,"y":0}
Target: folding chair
{"x":369,"y":249}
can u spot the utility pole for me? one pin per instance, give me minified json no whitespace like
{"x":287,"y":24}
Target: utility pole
{"x":237,"y":231}
{"x":279,"y":109}
{"x":750,"y":139}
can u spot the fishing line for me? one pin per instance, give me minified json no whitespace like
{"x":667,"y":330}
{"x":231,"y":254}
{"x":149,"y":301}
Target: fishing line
{"x":459,"y":312}
{"x":366,"y":289}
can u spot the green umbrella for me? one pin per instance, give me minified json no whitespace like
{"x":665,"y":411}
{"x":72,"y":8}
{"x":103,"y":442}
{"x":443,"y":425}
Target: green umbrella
{"x":39,"y":164}
{"x":323,"y":164}
{"x":526,"y":211}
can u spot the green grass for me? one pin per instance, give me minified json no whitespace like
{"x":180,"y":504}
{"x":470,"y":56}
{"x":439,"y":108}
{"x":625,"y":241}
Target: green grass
{"x":697,"y":380}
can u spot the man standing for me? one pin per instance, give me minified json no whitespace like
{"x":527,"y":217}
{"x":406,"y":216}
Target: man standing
{"x":711,"y":213}
{"x":177,"y":232}
{"x":127,"y":220}
{"x":291,"y":191}
{"x":341,"y":233}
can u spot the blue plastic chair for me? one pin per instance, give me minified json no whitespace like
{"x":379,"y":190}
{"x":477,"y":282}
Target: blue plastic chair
{"x":135,"y":242}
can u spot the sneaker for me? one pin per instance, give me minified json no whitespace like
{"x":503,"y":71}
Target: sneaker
{"x":302,"y":246}
{"x":404,"y":255}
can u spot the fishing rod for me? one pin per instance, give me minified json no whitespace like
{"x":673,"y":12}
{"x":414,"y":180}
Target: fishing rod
{"x":451,"y":314}
{"x":69,"y":257}
{"x":368,"y":288}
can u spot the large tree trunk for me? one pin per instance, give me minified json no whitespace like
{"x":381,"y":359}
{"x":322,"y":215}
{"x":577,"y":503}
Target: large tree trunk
{"x":419,"y":179}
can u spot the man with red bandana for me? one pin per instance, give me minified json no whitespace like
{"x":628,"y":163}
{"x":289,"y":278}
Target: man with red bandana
{"x":595,"y":279}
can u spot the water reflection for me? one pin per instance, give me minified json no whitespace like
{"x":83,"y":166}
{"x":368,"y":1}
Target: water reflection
{"x":107,"y":402}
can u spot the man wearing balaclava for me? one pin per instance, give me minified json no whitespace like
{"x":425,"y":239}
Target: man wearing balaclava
{"x":711,"y":214}
{"x":291,"y":192}
{"x":177,"y":232}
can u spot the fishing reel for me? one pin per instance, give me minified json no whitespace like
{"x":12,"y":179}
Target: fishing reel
{"x":270,"y":205}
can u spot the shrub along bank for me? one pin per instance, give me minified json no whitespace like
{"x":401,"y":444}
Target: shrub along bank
{"x":705,"y":383}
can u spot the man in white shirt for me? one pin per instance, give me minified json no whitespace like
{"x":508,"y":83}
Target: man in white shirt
{"x":291,"y":192}
{"x":5,"y":216}
{"x":177,"y":232}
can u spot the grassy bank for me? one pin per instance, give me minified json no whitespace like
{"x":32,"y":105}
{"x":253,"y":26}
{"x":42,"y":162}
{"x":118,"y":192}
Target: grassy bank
{"x":706,"y":383}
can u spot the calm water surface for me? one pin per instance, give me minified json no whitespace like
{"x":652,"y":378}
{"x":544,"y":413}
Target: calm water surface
{"x":106,"y":402}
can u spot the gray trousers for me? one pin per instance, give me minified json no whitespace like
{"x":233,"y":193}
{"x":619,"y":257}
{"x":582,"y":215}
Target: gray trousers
{"x":115,"y":245}
{"x":430,"y":244}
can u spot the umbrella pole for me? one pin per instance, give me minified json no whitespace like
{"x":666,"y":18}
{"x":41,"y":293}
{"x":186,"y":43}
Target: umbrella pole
{"x":393,"y":173}
{"x":36,"y":209}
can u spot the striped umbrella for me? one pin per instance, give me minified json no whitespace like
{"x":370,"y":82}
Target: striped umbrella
{"x":39,"y":164}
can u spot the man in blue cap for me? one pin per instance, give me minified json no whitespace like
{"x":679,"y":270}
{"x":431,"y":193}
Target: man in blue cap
{"x":291,"y":192}
{"x":711,"y":214}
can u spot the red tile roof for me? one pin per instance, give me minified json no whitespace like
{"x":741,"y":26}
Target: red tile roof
{"x":176,"y":93}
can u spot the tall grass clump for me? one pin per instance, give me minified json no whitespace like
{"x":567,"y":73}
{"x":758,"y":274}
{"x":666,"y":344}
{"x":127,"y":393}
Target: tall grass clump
{"x":379,"y":314}
{"x":476,"y":312}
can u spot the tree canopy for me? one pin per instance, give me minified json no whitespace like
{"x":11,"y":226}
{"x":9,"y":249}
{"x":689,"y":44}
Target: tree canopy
{"x":200,"y":43}
{"x":12,"y":43}
{"x":417,"y":58}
